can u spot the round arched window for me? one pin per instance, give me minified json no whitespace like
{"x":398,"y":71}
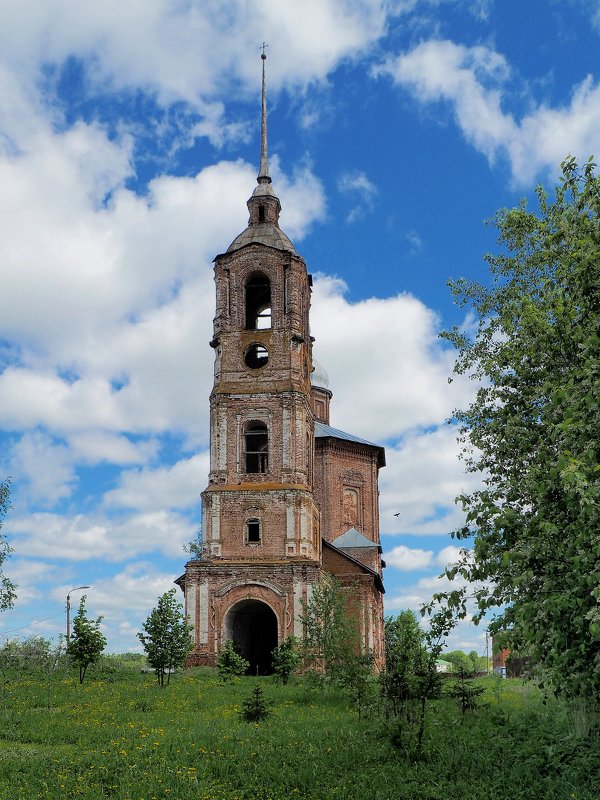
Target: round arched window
{"x":256,"y":356}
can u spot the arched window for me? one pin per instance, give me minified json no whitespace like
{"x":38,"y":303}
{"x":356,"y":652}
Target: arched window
{"x":253,"y":531}
{"x":258,"y":302}
{"x":256,"y":447}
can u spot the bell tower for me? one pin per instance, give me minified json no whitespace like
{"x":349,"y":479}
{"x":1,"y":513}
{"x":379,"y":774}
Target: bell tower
{"x":261,"y":524}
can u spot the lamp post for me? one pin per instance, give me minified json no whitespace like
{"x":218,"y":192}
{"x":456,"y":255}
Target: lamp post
{"x":69,"y":610}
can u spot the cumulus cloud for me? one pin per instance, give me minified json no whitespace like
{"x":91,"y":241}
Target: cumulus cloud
{"x":79,"y":537}
{"x":177,"y":486}
{"x":50,"y":483}
{"x":408,"y":559}
{"x":404,"y":383}
{"x":475,"y":82}
{"x":421,"y":481}
{"x":182,"y":51}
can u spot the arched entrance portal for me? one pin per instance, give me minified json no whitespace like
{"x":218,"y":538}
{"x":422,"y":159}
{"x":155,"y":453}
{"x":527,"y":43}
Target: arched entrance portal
{"x":252,"y":626}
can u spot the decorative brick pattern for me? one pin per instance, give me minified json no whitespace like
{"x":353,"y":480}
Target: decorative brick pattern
{"x":275,"y":493}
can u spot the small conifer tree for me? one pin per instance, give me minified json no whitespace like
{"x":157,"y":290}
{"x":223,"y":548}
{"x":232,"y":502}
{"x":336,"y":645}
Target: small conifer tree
{"x":255,"y":708}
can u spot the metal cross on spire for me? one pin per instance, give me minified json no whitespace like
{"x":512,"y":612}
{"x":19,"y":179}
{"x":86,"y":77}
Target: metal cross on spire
{"x":263,"y":172}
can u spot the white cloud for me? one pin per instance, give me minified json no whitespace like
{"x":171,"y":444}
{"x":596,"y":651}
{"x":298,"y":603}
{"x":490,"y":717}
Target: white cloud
{"x":182,"y":51}
{"x":108,"y":308}
{"x":81,"y":538}
{"x":92,"y":447}
{"x":124,"y":600}
{"x":475,"y":81}
{"x":403,"y":375}
{"x":177,"y":486}
{"x":408,"y":559}
{"x":46,"y":466}
{"x":423,"y":477}
{"x":448,"y":555}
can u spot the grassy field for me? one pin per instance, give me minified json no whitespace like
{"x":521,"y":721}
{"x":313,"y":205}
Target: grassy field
{"x":123,"y":737}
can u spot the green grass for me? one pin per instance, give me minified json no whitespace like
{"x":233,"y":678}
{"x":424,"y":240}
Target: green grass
{"x":126,"y":738}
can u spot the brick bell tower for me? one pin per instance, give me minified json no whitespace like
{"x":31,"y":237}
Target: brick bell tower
{"x":261,"y":538}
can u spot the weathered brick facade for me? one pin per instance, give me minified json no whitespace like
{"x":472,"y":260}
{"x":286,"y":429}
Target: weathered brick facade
{"x":283,"y":484}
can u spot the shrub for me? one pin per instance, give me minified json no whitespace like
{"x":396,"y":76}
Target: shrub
{"x":230,"y":664}
{"x":285,"y":659}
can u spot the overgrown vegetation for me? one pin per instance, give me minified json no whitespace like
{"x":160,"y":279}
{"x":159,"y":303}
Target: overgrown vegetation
{"x":331,"y":648}
{"x":532,"y":433}
{"x":127,"y":738}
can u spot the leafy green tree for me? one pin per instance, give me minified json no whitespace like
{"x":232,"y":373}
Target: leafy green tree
{"x":167,"y":637}
{"x":410,"y":678}
{"x":532,"y":434}
{"x":7,"y":587}
{"x":230,"y":664}
{"x":286,"y":659}
{"x":87,"y":641}
{"x":461,"y":661}
{"x":331,"y":638}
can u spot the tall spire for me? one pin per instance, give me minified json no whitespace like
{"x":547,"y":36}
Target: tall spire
{"x":263,"y":172}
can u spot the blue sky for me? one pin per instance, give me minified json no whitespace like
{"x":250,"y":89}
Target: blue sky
{"x":129,"y":138}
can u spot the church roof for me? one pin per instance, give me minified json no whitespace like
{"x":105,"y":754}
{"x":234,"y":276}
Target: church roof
{"x":263,"y":233}
{"x":323,"y":431}
{"x":263,"y":227}
{"x":364,"y":567}
{"x":353,"y":538}
{"x":319,"y":376}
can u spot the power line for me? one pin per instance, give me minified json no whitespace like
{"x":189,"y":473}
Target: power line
{"x":31,"y":624}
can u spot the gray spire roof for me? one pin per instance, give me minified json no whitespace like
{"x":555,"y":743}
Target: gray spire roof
{"x":265,"y":233}
{"x":263,"y":171}
{"x":264,"y":206}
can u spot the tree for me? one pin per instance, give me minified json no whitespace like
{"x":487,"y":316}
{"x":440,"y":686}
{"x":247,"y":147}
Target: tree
{"x":167,"y":638}
{"x":410,"y":678}
{"x":532,"y":434}
{"x":87,"y":642}
{"x":7,"y":587}
{"x":285,"y":659}
{"x":331,"y":643}
{"x":255,"y":708}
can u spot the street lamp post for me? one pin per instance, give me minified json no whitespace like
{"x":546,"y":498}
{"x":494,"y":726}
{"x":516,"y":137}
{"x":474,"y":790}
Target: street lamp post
{"x":69,"y":610}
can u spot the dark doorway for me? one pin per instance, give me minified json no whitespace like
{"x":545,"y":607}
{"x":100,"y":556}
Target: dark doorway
{"x":252,"y":627}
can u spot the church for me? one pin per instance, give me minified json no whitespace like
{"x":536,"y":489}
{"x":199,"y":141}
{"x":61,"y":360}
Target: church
{"x":289,"y":497}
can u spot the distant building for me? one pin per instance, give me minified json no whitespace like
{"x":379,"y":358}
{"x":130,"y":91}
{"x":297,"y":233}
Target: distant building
{"x":499,"y":659}
{"x":289,"y":498}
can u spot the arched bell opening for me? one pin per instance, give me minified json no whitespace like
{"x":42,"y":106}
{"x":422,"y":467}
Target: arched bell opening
{"x":252,"y":627}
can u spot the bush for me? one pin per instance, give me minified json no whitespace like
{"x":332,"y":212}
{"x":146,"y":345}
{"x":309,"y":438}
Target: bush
{"x":285,"y":659}
{"x":230,"y":664}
